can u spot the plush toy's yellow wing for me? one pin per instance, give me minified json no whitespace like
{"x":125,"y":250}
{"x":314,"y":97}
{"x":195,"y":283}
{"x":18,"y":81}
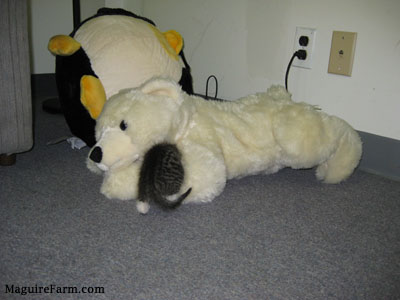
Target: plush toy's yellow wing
{"x":171,"y":41}
{"x":63,"y":45}
{"x":174,"y":39}
{"x":93,"y":95}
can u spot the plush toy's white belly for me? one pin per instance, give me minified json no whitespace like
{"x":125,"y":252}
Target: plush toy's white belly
{"x":127,"y":53}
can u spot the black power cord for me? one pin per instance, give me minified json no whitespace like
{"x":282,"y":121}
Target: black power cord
{"x":216,"y":86}
{"x":300,"y":54}
{"x":206,"y":97}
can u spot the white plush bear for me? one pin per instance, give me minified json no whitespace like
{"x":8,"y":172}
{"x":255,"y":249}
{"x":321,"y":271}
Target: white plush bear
{"x":260,"y":133}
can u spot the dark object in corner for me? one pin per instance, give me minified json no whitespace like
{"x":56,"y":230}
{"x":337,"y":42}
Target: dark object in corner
{"x":52,"y":106}
{"x":7,"y":159}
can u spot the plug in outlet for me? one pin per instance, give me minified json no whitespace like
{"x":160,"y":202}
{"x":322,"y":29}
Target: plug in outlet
{"x":300,"y":42}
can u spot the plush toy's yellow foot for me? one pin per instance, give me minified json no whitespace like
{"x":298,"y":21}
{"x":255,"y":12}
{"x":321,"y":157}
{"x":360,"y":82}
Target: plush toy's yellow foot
{"x":93,"y":95}
{"x":63,"y":45}
{"x":174,"y":39}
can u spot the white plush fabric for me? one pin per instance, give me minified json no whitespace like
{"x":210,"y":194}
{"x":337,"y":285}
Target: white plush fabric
{"x":260,"y":133}
{"x":125,"y":52}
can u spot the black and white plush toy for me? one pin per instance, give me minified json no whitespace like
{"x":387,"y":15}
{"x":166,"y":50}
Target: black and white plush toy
{"x":113,"y":50}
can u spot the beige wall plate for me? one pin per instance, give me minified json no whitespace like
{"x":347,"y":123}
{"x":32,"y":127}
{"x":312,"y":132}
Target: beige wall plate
{"x":342,"y":52}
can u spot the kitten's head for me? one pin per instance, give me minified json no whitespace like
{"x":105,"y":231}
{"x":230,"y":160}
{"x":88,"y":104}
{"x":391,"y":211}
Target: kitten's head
{"x":134,"y":120}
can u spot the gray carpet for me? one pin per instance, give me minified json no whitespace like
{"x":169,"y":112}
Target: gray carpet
{"x":282,"y":236}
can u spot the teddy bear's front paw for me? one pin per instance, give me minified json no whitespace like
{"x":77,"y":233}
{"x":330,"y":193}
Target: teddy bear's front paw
{"x":121,"y":184}
{"x":112,"y":191}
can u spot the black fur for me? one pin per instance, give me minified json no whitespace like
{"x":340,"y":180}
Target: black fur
{"x":186,"y":80}
{"x":162,"y":175}
{"x":69,"y":71}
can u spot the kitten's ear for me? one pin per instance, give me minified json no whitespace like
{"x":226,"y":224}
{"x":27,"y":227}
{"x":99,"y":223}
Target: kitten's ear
{"x":163,"y":87}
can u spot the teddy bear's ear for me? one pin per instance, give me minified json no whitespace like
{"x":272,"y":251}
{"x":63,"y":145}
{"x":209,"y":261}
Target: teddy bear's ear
{"x":162,"y":87}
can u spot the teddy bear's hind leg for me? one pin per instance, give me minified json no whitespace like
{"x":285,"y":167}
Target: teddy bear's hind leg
{"x":205,"y":174}
{"x":341,"y":164}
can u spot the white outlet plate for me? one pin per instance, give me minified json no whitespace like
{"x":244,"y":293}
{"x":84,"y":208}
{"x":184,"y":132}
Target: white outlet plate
{"x":310,"y":33}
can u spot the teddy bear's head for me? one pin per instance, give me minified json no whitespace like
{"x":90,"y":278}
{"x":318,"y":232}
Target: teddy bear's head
{"x":135,"y":119}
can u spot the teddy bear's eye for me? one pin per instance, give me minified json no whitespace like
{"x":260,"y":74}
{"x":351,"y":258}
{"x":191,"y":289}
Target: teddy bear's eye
{"x":123,"y":125}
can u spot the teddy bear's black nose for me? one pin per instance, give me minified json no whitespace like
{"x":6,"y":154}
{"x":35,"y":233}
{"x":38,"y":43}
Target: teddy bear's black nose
{"x":96,"y":155}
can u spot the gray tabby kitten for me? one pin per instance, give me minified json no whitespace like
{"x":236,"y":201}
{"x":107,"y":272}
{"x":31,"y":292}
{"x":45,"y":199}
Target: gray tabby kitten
{"x":161,"y":177}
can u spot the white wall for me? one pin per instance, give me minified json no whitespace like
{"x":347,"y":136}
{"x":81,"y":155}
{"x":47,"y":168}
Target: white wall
{"x":46,"y":19}
{"x":50,"y":17}
{"x":247,"y":44}
{"x":135,"y":6}
{"x":90,"y":7}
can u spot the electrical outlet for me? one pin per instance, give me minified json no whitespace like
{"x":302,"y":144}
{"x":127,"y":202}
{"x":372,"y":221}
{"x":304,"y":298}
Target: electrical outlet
{"x":310,"y":34}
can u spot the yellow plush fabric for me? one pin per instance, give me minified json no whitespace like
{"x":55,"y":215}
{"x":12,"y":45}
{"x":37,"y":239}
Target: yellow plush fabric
{"x":63,"y":45}
{"x":169,"y":41}
{"x":93,"y":95}
{"x":174,"y":39}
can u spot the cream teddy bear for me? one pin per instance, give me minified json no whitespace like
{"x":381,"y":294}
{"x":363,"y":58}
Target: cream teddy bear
{"x":260,"y":133}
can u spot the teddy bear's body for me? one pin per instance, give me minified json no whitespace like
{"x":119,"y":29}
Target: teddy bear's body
{"x":261,"y":133}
